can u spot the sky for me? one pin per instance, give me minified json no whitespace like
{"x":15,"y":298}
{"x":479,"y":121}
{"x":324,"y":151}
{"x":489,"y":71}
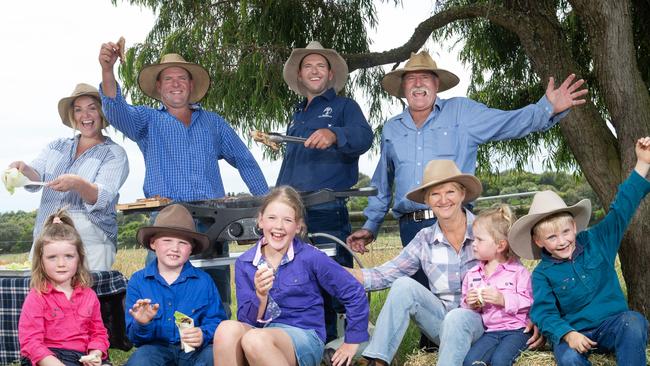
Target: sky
{"x":50,"y":46}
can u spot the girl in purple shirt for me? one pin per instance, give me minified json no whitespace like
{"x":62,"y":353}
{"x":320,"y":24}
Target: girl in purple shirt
{"x":499,"y":289}
{"x":280,"y":306}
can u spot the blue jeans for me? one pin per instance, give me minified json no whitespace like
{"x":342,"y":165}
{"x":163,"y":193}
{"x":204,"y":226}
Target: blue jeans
{"x":66,"y":356}
{"x":453,"y":331}
{"x":154,"y":354}
{"x":331,"y":218}
{"x":498,"y":348}
{"x":625,"y":334}
{"x":220,"y":274}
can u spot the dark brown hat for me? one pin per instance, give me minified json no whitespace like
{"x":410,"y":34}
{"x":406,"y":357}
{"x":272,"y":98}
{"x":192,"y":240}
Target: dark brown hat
{"x":174,"y":220}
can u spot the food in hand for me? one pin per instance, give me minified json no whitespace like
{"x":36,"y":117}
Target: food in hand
{"x":262,"y":137}
{"x":184,"y":322}
{"x":479,"y":294}
{"x":120,"y":49}
{"x":89,"y":358}
{"x":13,"y":178}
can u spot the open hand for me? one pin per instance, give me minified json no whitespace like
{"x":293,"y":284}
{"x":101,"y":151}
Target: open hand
{"x":192,"y":337}
{"x":567,"y":95}
{"x":142,"y":311}
{"x":358,"y":240}
{"x":344,"y":354}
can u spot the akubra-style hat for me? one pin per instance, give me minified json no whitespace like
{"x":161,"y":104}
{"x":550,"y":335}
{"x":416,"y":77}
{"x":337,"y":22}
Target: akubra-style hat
{"x":149,"y":75}
{"x":392,"y":82}
{"x":174,"y":220}
{"x":545,"y":204}
{"x":337,"y":65}
{"x":444,"y":171}
{"x":65,"y":104}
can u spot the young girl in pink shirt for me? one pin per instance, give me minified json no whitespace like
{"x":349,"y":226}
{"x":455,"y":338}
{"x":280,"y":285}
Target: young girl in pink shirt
{"x":60,"y":323}
{"x":499,"y":289}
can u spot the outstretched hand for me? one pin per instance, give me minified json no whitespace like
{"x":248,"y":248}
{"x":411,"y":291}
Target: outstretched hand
{"x":344,"y":354}
{"x":358,"y":240}
{"x":143,"y":311}
{"x":567,"y":95}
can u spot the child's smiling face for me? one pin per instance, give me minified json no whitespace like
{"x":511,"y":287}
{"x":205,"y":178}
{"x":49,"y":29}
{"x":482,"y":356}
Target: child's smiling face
{"x":559,"y":239}
{"x":279,"y":225}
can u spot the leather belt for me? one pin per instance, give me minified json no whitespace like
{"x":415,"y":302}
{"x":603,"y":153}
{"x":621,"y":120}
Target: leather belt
{"x":418,"y":216}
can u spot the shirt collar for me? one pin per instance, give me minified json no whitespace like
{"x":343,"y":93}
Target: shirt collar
{"x":49,"y":288}
{"x":511,"y":266}
{"x":328,"y":95}
{"x":439,"y":236}
{"x":262,"y":242}
{"x":406,"y":115}
{"x":549,"y":259}
{"x":188,"y":270}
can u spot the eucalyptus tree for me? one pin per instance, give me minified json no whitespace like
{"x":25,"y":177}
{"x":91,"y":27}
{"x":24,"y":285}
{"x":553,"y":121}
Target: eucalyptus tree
{"x":513,"y":46}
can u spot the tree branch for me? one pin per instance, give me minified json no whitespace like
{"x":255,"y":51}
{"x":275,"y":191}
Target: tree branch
{"x":495,"y":13}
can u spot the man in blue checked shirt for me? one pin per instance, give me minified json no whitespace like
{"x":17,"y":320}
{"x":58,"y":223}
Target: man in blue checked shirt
{"x":337,"y":134}
{"x":181,"y":142}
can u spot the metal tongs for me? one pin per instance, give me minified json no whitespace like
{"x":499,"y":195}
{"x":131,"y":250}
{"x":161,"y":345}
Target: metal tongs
{"x":279,"y":138}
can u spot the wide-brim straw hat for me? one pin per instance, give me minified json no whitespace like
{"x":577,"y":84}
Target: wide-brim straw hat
{"x":545,"y":204}
{"x":392,"y":82}
{"x":338,"y":66}
{"x":149,"y":75}
{"x":444,"y":171}
{"x":176,"y":221}
{"x":65,"y":104}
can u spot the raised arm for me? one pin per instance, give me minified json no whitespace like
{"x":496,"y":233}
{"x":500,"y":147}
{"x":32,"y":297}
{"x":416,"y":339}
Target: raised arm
{"x":108,"y":54}
{"x":567,"y":95}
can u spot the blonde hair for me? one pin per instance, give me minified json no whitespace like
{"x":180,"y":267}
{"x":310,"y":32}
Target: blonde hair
{"x":73,"y":122}
{"x":497,"y":221}
{"x":58,"y":227}
{"x":551,"y":223}
{"x":291,"y":198}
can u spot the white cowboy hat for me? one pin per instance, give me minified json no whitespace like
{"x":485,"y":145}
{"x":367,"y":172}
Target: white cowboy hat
{"x":545,"y":204}
{"x":392,"y":82}
{"x":336,"y":62}
{"x":149,"y":75}
{"x":444,"y":171}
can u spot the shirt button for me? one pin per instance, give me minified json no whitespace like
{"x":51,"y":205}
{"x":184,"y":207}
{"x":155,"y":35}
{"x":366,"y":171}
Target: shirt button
{"x":169,"y":319}
{"x":418,"y":164}
{"x":444,"y":133}
{"x":417,"y":182}
{"x":419,"y":147}
{"x":418,"y":132}
{"x":169,"y":303}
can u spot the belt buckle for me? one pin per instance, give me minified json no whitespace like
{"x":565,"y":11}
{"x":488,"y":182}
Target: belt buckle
{"x":415,"y":219}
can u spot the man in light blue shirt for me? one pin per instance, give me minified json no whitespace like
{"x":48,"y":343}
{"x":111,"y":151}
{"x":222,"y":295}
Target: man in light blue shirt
{"x":434,"y":128}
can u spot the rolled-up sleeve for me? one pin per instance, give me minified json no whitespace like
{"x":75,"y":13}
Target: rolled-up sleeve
{"x":110,"y":178}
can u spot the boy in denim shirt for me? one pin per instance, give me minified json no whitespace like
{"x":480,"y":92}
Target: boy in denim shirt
{"x":170,"y":284}
{"x":578,"y":302}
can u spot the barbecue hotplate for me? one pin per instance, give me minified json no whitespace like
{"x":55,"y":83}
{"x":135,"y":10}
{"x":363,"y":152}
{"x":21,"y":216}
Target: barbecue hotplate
{"x":234,"y":218}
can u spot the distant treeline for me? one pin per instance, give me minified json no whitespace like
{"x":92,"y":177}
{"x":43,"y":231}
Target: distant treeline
{"x":16,"y":227}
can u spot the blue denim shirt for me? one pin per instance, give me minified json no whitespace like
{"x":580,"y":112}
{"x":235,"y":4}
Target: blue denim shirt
{"x":337,"y":167}
{"x":579,"y":293}
{"x":297,"y":292}
{"x":193,"y":294}
{"x":453,"y":130}
{"x":180,"y":161}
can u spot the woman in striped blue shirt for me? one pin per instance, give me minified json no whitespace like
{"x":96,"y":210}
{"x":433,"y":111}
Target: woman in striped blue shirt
{"x":83,"y":174}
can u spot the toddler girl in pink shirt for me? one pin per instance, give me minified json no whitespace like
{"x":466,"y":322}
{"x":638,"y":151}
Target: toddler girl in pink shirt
{"x":499,"y":288}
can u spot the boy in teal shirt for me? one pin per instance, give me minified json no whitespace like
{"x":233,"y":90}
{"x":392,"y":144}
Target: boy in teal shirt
{"x":578,"y":302}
